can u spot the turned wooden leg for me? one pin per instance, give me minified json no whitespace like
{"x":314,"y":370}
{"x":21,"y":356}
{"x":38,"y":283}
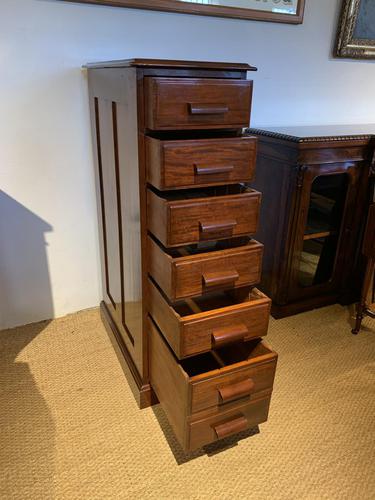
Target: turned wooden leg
{"x":362,"y":306}
{"x":358,"y":319}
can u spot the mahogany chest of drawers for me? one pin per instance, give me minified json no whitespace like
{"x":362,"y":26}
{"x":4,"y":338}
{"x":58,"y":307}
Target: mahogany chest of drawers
{"x":176,"y":222}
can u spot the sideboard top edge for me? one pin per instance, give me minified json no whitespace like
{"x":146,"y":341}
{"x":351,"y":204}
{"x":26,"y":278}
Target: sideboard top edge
{"x":166,"y":63}
{"x":300,"y":139}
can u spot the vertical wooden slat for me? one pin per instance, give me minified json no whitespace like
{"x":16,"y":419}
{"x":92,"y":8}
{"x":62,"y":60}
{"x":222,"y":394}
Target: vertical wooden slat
{"x":119,"y":216}
{"x":101,"y":188}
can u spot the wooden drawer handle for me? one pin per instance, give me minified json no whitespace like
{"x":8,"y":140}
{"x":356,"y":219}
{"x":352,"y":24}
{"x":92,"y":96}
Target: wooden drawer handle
{"x":208,"y":109}
{"x":229,"y":334}
{"x":213,"y":169}
{"x":232,"y":427}
{"x":215,"y":227}
{"x":220,"y":278}
{"x":237,"y":391}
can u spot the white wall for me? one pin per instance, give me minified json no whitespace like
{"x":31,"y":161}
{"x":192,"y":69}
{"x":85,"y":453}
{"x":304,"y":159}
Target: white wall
{"x":48,"y":240}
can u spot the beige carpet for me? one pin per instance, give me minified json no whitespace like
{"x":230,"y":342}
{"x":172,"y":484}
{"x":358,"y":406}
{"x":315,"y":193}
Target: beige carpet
{"x":70,"y":428}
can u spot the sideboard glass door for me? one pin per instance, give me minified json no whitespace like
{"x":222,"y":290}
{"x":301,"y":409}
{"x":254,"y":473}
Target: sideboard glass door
{"x":322,"y":230}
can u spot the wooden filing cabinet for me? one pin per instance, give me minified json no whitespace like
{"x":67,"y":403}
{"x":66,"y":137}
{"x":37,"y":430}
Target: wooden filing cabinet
{"x":179,"y":264}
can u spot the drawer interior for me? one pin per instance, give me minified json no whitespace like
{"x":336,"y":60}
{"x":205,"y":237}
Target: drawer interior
{"x":205,"y":364}
{"x":186,"y":135}
{"x":237,"y":353}
{"x":210,"y":302}
{"x":207,"y":247}
{"x":209,"y":192}
{"x":201,"y":363}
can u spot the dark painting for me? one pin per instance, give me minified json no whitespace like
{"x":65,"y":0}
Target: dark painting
{"x":356,"y":33}
{"x":365,"y":26}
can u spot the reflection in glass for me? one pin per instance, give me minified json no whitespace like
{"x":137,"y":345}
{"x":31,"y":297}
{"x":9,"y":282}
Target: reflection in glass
{"x":281,"y":6}
{"x":322,"y":231}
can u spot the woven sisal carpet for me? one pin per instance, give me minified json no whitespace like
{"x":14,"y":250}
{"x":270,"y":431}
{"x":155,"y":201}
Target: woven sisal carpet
{"x":70,"y":428}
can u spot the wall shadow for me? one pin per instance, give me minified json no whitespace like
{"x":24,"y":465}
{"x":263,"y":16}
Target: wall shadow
{"x":25,"y":288}
{"x":27,"y":431}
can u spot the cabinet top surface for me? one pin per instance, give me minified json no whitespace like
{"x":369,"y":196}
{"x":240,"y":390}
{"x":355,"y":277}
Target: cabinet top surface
{"x":318,"y":132}
{"x":166,"y":63}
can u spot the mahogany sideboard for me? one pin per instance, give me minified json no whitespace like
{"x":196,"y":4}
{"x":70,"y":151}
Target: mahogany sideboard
{"x":176,"y":223}
{"x":315,"y":185}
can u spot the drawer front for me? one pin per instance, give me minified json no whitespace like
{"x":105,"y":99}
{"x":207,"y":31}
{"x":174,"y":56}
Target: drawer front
{"x":214,"y":219}
{"x":237,"y":385}
{"x":230,"y":270}
{"x":194,"y":275}
{"x":192,"y":221}
{"x":197,"y":103}
{"x":241,"y":322}
{"x":203,"y":331}
{"x":179,"y":164}
{"x":225,"y":425}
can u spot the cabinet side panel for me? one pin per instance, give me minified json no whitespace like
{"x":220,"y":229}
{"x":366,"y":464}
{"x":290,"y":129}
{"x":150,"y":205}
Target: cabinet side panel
{"x":276,"y":180}
{"x":113,"y":98}
{"x":131,"y":225}
{"x":108,"y":176}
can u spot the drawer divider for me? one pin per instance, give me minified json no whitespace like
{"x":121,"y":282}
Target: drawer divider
{"x":217,"y":358}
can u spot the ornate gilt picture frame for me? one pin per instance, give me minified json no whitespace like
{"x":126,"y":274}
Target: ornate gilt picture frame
{"x":281,"y":11}
{"x":356,"y":34}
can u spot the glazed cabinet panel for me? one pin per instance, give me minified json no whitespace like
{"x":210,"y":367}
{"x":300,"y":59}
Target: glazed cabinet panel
{"x":315,"y":193}
{"x":324,"y":229}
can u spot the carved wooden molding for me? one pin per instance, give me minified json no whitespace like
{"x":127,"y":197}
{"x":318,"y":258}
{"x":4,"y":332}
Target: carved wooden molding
{"x":292,"y":138}
{"x":372,"y":167}
{"x":205,"y":10}
{"x":347,"y":45}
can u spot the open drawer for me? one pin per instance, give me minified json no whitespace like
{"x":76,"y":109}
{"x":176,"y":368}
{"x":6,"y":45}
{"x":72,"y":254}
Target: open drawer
{"x":198,"y":325}
{"x":211,"y":384}
{"x":178,"y":219}
{"x":197,"y":269}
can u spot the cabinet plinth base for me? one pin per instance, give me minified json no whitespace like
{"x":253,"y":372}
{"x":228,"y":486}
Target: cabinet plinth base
{"x":143,"y":393}
{"x":292,"y":308}
{"x":283,"y":311}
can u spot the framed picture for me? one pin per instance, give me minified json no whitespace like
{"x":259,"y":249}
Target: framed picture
{"x":356,"y":35}
{"x":281,"y":11}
